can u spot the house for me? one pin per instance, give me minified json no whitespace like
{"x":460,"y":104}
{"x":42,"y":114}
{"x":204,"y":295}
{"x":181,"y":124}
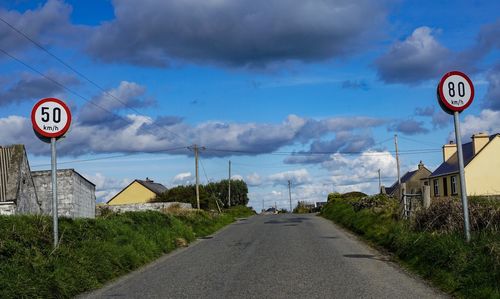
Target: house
{"x":414,"y":181}
{"x":481,"y":165}
{"x":17,"y":189}
{"x":75,"y":194}
{"x":138,"y":191}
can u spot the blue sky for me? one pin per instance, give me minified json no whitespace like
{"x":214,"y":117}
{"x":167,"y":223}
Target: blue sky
{"x":252,"y":81}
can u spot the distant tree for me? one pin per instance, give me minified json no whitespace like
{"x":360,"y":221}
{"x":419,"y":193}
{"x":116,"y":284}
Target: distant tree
{"x":209,"y":194}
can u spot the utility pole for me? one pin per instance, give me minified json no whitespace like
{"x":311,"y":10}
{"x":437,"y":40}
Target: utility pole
{"x":399,"y":177}
{"x":263,"y":207}
{"x":196,"y":149}
{"x":229,"y":189}
{"x":290,"y":194}
{"x":379,"y":182}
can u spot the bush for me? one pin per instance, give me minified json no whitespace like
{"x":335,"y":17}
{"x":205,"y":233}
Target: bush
{"x":446,"y":216}
{"x":91,"y":251}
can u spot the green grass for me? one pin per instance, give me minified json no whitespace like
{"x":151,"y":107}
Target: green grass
{"x":91,"y":251}
{"x":469,"y":270}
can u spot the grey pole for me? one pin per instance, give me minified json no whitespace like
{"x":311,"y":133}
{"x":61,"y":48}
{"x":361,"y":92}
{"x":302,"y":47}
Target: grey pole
{"x":290,"y":195}
{"x":229,"y":188}
{"x":463,"y":191}
{"x":54,"y":190}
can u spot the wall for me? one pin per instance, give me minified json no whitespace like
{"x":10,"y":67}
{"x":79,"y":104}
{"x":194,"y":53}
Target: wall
{"x":152,"y":206}
{"x":75,"y":195}
{"x":18,"y":186}
{"x":448,"y":184}
{"x":482,"y":174}
{"x":133,"y":193}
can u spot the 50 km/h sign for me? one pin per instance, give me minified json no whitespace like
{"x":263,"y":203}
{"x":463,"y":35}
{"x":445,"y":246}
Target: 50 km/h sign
{"x":51,"y":118}
{"x":455,"y":91}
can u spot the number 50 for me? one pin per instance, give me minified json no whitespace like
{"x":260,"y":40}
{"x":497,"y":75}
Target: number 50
{"x":56,"y":114}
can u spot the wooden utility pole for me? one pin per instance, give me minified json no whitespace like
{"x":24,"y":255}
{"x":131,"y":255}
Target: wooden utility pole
{"x":229,"y":188}
{"x":397,"y":161}
{"x":196,"y":149}
{"x":290,"y":194}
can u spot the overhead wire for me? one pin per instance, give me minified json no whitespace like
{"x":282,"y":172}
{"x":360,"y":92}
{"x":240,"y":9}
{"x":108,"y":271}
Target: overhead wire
{"x":79,"y":74}
{"x":111,"y":157}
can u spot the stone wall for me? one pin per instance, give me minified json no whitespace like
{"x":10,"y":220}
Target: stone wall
{"x":75,"y":195}
{"x":153,"y":206}
{"x":19,"y":188}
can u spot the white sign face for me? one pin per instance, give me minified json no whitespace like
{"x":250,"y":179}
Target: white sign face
{"x":456,"y":91}
{"x":51,"y":117}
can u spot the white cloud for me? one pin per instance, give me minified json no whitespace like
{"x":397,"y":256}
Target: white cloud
{"x":488,"y":121}
{"x":419,"y":57}
{"x":355,"y":171}
{"x":106,"y":187}
{"x":254,"y":179}
{"x":183,"y":178}
{"x":297,"y":177}
{"x":237,"y":177}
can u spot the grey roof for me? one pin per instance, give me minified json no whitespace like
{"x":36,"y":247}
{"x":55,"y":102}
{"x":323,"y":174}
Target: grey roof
{"x":406,"y":177}
{"x":155,"y":187}
{"x":451,"y":165}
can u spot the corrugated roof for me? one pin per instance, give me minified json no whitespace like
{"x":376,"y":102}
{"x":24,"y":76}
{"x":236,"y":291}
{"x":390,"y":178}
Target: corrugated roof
{"x":451,"y":165}
{"x":155,"y":187}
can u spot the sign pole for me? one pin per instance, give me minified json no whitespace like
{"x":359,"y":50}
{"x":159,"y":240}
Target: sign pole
{"x":455,"y":93}
{"x":463,"y":191}
{"x":54,"y":190}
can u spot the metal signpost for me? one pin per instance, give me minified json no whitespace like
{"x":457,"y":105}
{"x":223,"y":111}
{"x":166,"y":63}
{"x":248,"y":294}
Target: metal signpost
{"x":51,"y":119}
{"x":455,"y":94}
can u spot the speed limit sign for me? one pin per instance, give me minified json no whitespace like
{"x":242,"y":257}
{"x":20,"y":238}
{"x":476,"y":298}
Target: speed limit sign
{"x":455,"y":92}
{"x":51,"y":118}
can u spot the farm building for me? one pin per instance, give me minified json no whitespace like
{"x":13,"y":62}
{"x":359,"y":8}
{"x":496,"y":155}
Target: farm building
{"x":139,"y":191}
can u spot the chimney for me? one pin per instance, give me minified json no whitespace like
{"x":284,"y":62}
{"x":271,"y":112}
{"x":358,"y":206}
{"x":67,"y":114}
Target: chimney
{"x":420,"y":165}
{"x":479,"y":141}
{"x":449,"y":150}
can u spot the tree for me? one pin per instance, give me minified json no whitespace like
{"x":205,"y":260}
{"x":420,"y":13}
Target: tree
{"x":208,"y":194}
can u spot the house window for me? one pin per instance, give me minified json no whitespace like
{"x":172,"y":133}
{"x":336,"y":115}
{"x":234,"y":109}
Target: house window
{"x":454,"y":185}
{"x":436,"y":187}
{"x":445,"y":187}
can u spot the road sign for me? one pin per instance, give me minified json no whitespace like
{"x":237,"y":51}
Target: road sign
{"x":455,"y":92}
{"x":51,"y":118}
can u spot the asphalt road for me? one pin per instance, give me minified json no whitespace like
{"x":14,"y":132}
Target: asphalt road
{"x":274,"y":256}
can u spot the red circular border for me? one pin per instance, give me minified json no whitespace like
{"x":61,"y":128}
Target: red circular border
{"x":441,"y":94}
{"x":40,"y":131}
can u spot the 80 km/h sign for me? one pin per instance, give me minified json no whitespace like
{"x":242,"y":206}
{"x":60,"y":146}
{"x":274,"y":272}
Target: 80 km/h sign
{"x":455,"y":91}
{"x":51,"y":118}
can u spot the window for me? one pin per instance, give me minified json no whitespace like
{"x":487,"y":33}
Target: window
{"x":436,"y":187}
{"x":445,"y":187}
{"x":454,"y":185}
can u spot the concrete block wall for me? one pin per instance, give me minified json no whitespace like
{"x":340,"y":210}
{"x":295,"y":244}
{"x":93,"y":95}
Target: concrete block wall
{"x":75,"y":195}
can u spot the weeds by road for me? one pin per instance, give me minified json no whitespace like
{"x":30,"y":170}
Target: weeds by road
{"x":92,"y":251}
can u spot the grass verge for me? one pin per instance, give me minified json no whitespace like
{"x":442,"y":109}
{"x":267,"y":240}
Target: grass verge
{"x":91,"y":251}
{"x":468,"y":270}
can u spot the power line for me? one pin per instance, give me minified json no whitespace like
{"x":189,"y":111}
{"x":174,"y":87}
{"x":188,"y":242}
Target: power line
{"x":110,"y":157}
{"x":41,"y":47}
{"x":319,"y":153}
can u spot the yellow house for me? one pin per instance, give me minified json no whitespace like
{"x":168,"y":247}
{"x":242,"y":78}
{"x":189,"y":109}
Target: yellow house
{"x":138,"y":191}
{"x":481,"y":164}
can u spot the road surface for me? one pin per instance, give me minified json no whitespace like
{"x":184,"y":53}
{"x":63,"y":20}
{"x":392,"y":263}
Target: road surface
{"x":273,"y":256}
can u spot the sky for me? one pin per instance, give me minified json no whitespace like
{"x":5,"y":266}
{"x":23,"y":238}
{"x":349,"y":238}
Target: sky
{"x":303,"y":90}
